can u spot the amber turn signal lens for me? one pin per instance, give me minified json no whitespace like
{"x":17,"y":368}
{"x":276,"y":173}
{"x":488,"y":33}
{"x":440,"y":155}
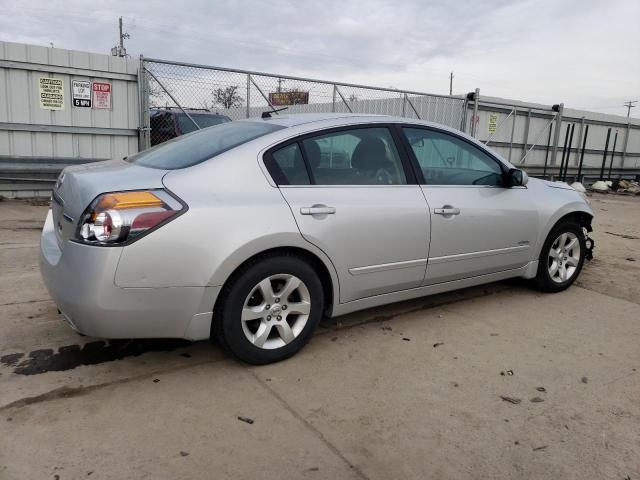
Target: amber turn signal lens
{"x":125,"y":200}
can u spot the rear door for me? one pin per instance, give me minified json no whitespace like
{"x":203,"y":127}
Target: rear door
{"x":478,"y":225}
{"x":355,"y":197}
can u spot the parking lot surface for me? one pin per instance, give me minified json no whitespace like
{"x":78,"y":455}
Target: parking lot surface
{"x":498,"y":381}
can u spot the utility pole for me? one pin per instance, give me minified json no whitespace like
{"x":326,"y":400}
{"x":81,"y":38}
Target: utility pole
{"x":279,"y":85}
{"x":630,"y":105}
{"x":119,"y":50}
{"x":451,"y":83}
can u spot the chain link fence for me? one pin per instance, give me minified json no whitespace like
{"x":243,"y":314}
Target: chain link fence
{"x":180,"y":97}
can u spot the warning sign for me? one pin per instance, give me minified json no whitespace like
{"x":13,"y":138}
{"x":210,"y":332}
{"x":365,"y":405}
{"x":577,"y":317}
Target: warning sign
{"x":101,"y":95}
{"x":51,"y":92}
{"x":493,"y":122}
{"x":81,"y":93}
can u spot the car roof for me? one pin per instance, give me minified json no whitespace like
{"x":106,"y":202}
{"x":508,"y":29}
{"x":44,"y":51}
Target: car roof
{"x":194,"y":111}
{"x":295,"y":119}
{"x":338,"y":119}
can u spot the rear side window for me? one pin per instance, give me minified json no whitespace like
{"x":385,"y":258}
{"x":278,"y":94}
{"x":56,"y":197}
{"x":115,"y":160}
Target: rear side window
{"x":291,"y":165}
{"x":360,"y":156}
{"x":196,"y":147}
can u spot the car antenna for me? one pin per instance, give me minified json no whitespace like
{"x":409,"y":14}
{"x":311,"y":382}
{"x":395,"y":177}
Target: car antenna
{"x":275,"y":110}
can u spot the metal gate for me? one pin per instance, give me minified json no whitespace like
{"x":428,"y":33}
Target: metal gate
{"x":190,"y":90}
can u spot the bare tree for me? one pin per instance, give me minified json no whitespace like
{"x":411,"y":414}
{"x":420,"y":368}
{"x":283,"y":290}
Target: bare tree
{"x":227,"y":97}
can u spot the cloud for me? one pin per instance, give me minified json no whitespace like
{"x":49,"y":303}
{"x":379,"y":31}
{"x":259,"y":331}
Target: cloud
{"x":581,"y":52}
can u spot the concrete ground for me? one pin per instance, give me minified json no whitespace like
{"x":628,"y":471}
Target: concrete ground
{"x":411,"y":390}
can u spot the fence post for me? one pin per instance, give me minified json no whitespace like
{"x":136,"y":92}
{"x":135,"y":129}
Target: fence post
{"x":546,"y":155}
{"x":248,"y":95}
{"x":463,"y":116}
{"x":333,"y":103}
{"x":144,"y":136}
{"x":613,"y":152}
{"x":474,"y":123}
{"x":566,"y":165}
{"x":513,"y":128}
{"x":526,"y":132}
{"x":556,"y":136}
{"x":624,"y":146}
{"x":579,"y":140}
{"x":564,"y":150}
{"x":604,"y":156}
{"x":584,"y":145}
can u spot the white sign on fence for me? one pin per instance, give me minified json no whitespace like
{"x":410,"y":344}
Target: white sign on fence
{"x":81,"y":93}
{"x":51,"y":93}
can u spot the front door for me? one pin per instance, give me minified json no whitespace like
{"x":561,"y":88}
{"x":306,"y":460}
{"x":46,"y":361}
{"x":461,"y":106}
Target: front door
{"x":478,"y":226}
{"x":352,"y":196}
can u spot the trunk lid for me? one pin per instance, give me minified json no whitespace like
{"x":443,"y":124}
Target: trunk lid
{"x":78,"y":185}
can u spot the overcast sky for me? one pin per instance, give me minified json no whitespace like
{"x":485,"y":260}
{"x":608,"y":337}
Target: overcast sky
{"x":585,"y":53}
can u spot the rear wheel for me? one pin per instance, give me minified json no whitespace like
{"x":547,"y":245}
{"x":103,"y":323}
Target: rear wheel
{"x":269,"y":309}
{"x":561,"y":258}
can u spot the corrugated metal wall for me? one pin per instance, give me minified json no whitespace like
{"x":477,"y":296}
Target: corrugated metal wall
{"x":36,"y":143}
{"x":530,"y":121}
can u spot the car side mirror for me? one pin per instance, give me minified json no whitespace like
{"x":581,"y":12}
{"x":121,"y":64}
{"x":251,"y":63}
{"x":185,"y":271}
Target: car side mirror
{"x":517,"y":178}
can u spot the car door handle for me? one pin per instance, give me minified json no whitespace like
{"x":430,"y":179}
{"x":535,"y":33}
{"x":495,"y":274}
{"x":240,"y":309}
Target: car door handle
{"x":317,"y":210}
{"x":446,"y":211}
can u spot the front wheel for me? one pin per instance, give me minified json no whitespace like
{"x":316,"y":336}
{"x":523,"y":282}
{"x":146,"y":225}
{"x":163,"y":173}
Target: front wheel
{"x":561,"y":258}
{"x":269,"y":309}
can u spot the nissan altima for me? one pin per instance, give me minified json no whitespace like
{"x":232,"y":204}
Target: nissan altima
{"x":250,"y":232}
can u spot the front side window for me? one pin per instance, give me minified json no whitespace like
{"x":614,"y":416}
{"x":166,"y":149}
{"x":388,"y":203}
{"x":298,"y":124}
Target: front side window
{"x":196,"y":147}
{"x":361,"y":156}
{"x":447,"y":160}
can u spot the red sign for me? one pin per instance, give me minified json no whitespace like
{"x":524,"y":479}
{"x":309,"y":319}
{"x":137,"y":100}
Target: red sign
{"x":101,"y":95}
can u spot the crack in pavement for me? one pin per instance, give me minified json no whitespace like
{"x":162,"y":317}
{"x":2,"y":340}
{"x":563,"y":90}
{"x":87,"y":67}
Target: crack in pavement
{"x":306,"y":423}
{"x":6,"y":246}
{"x":25,"y":302}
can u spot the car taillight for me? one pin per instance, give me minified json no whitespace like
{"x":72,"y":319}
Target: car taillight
{"x":120,"y":217}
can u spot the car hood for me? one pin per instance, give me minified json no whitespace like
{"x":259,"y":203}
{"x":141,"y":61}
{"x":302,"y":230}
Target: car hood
{"x":550,"y":184}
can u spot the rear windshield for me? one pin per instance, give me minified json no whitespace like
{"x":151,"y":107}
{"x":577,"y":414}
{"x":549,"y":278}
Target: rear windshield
{"x":196,"y":147}
{"x":202,"y":119}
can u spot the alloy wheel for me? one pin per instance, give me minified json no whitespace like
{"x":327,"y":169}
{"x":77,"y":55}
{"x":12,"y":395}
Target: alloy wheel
{"x":564,"y":257}
{"x":276,"y":311}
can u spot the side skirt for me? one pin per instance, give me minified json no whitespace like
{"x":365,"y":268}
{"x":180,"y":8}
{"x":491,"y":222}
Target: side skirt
{"x":526,"y":271}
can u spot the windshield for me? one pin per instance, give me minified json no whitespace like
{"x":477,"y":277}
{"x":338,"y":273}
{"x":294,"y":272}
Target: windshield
{"x":196,"y":147}
{"x":202,"y":119}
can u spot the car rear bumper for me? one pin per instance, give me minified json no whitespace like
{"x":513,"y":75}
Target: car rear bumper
{"x":80,"y":279}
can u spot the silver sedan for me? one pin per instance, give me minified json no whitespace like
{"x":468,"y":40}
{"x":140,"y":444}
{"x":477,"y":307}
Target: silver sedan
{"x":250,"y":232}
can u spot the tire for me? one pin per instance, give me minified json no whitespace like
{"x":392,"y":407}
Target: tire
{"x":560,"y":263}
{"x":281,"y":326}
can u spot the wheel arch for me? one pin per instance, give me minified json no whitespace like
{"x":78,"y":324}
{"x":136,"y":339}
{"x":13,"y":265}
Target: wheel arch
{"x":578,"y":213}
{"x":320,"y":263}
